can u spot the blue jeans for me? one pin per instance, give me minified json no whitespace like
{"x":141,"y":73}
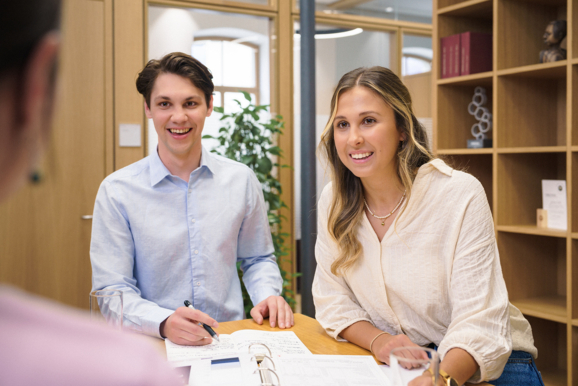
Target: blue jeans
{"x":520,"y":370}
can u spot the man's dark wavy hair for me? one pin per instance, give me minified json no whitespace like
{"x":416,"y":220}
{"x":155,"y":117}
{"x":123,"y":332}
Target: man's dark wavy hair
{"x":176,"y":63}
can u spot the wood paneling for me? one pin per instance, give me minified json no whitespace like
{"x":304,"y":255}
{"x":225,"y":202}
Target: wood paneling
{"x":129,"y":59}
{"x":44,"y":243}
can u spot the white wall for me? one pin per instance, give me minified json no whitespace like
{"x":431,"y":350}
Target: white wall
{"x":334,"y":58}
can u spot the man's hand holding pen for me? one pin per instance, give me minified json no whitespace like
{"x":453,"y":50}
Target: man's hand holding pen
{"x":182,"y":327}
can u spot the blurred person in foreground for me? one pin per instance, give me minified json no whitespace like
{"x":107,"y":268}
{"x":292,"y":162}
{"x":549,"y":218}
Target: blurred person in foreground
{"x":42,"y":343}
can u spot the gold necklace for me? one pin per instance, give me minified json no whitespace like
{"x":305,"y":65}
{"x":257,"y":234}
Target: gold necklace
{"x":382,"y":218}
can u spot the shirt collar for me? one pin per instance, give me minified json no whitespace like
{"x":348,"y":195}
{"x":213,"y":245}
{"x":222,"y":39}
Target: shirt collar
{"x":159,"y":171}
{"x":441,"y":166}
{"x":208,"y":160}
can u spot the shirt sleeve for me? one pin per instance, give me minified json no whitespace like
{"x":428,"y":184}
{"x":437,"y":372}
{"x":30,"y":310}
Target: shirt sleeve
{"x":479,"y":299}
{"x":112,"y":255}
{"x":255,"y":249}
{"x":336,"y":306}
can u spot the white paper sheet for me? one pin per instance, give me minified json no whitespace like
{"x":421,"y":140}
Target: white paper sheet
{"x":554,"y":201}
{"x":405,"y":375}
{"x":279,"y":342}
{"x":178,"y":353}
{"x":205,"y":373}
{"x":330,"y":370}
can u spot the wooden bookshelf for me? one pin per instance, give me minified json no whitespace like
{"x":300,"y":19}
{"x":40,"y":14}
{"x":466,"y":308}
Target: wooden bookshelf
{"x":535,"y":137}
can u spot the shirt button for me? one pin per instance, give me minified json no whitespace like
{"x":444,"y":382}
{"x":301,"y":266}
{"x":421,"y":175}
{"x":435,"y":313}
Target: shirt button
{"x":196,"y":252}
{"x":198,"y":283}
{"x":193,"y":221}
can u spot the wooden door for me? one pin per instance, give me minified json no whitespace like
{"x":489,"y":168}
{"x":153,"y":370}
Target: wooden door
{"x":44,"y":242}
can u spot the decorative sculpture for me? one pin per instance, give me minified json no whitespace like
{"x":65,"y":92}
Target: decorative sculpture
{"x":484,"y":118}
{"x":553,"y":36}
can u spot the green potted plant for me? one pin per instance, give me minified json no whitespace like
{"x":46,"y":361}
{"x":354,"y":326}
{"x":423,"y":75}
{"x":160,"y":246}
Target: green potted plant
{"x":248,"y":138}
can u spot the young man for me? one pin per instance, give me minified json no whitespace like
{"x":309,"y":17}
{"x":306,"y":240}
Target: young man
{"x":41,"y":343}
{"x":172,"y":226}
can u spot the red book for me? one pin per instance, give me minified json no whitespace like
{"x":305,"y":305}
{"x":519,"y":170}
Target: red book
{"x":476,"y":52}
{"x":450,"y":58}
{"x":444,"y":58}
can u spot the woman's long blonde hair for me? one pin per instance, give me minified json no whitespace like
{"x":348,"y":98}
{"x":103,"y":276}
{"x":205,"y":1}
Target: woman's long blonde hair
{"x":346,"y":209}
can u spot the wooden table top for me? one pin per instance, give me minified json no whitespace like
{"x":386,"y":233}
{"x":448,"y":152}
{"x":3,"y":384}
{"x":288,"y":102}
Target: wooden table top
{"x":307,"y":329}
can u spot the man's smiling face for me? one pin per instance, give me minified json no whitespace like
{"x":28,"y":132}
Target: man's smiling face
{"x":178,"y":109}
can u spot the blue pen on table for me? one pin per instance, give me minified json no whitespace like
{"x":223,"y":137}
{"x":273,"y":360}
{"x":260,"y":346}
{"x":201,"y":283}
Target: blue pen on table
{"x":205,"y":326}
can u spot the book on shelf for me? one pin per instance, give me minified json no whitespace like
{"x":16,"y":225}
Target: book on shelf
{"x":450,"y":58}
{"x":465,"y":54}
{"x":476,"y":53}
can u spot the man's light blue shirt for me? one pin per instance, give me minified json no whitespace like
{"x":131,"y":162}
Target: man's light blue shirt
{"x":161,"y":240}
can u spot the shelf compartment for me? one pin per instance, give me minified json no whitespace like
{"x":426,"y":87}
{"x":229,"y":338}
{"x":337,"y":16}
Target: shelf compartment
{"x":520,"y":42}
{"x":534,"y":267}
{"x":555,"y":70}
{"x":532,"y":112}
{"x":483,"y":79}
{"x":473,"y":16}
{"x":520,"y":182}
{"x":550,"y":338}
{"x":531,"y":230}
{"x":453,"y":115}
{"x":478,"y":165}
{"x":465,"y":151}
{"x":476,"y":8}
{"x":546,"y":307}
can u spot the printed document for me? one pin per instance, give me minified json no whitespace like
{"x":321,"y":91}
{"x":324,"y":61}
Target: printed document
{"x":279,"y":342}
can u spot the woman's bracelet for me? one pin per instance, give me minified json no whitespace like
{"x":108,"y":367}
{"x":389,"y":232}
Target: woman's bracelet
{"x":371,"y":344}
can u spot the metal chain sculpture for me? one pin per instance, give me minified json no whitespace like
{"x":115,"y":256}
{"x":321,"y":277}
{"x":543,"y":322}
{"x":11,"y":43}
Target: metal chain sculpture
{"x":483,"y":116}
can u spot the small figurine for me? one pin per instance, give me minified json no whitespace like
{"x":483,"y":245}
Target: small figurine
{"x":553,"y":36}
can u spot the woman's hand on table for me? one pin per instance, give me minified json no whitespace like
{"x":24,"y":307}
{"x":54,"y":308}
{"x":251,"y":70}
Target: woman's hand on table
{"x":383,"y":345}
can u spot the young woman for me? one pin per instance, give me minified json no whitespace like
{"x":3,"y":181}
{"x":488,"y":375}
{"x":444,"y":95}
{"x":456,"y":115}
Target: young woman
{"x":406,"y":250}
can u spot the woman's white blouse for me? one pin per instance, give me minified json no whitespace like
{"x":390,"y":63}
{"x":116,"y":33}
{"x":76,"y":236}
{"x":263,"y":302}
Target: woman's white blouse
{"x":435,"y":276}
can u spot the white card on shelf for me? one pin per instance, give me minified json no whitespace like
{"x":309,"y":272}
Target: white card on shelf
{"x":554,"y":201}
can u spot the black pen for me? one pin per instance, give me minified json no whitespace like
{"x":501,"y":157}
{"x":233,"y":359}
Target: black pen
{"x":205,"y":326}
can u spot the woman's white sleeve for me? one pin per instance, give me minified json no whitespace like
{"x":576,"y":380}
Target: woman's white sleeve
{"x":336,"y":306}
{"x":479,"y":299}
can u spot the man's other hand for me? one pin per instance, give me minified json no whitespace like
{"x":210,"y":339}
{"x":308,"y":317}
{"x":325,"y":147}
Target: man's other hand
{"x":277,"y":309}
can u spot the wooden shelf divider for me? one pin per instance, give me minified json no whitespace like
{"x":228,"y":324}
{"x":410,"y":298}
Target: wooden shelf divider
{"x":465,"y":8}
{"x":545,"y":307}
{"x":531,"y":230}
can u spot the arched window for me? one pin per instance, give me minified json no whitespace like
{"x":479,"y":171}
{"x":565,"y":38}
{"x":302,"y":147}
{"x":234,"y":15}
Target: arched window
{"x":234,"y":64}
{"x":416,"y":60}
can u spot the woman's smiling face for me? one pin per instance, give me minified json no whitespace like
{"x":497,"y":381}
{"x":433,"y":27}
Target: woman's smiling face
{"x":365,"y":133}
